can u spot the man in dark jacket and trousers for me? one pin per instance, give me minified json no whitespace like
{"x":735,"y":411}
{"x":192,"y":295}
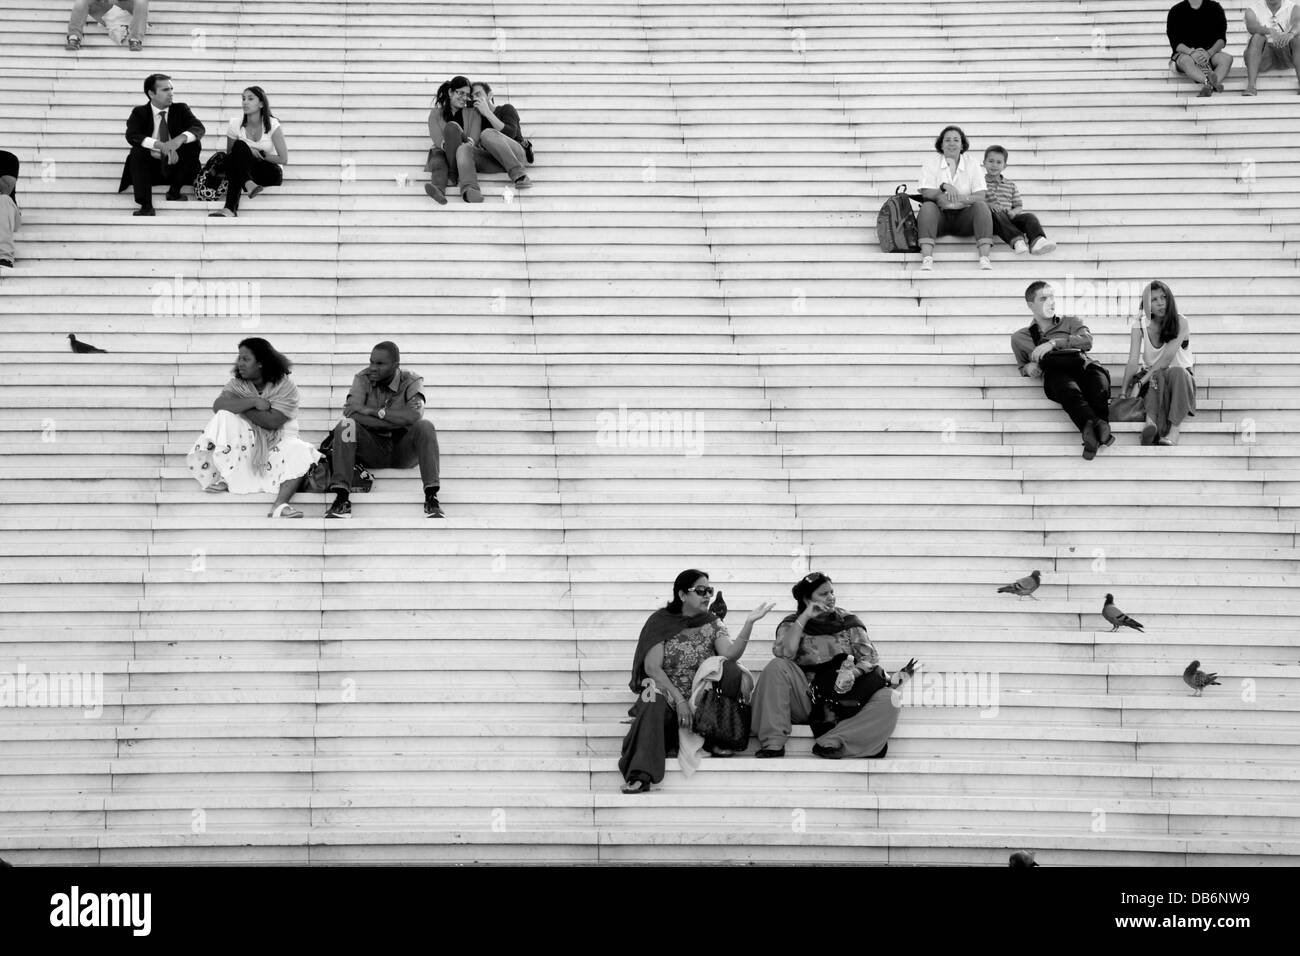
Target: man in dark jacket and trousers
{"x":165,"y":140}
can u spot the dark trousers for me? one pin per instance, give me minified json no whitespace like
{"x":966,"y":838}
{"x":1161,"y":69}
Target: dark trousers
{"x":242,"y":165}
{"x":1009,"y":228}
{"x":1085,"y":394}
{"x":654,"y":728}
{"x":652,"y":734}
{"x":401,"y":448}
{"x":146,"y":171}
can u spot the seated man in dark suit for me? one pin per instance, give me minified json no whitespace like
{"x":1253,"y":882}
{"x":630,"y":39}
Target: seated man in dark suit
{"x":165,"y":143}
{"x":10,"y":217}
{"x":383,"y":426}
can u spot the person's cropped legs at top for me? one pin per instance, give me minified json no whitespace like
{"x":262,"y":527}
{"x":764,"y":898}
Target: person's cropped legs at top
{"x":241,"y":166}
{"x":139,"y":10}
{"x":11,"y":218}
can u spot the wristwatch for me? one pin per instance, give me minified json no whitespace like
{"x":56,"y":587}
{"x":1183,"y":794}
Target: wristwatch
{"x":382,"y":413}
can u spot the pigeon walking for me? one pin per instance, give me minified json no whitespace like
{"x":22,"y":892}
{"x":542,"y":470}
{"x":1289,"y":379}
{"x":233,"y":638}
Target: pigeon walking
{"x":1022,"y":858}
{"x":81,"y":348}
{"x":719,"y":606}
{"x":1025,"y":587}
{"x":1197,"y":679}
{"x":1116,"y":617}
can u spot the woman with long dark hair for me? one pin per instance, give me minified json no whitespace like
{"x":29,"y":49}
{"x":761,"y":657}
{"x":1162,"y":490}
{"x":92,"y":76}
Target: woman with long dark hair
{"x":821,"y":649}
{"x":255,"y":151}
{"x":251,"y":445}
{"x":447,"y":122}
{"x":675,"y":641}
{"x":1160,"y":365}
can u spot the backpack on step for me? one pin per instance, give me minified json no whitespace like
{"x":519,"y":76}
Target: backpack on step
{"x":896,"y":227}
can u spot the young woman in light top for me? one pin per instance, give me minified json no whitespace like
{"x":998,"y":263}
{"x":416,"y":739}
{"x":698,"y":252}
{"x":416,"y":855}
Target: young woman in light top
{"x":1160,"y":365}
{"x":255,"y":151}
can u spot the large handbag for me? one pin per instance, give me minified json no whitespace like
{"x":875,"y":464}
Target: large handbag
{"x":1133,"y":406}
{"x":839,"y":705}
{"x":210,"y":183}
{"x":320,"y":475}
{"x":722,"y":721}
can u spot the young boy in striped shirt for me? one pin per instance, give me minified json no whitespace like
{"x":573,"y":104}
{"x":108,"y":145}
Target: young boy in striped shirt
{"x":1011,"y":223}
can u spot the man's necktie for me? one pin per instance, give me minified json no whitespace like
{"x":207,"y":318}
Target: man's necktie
{"x":163,"y":134}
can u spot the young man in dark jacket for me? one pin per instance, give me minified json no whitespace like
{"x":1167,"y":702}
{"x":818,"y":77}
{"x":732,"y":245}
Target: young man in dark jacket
{"x":165,"y":140}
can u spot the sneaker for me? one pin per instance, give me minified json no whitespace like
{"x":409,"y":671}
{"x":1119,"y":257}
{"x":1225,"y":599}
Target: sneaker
{"x":927,"y":263}
{"x":136,"y":45}
{"x":342,"y":508}
{"x":436,"y":193}
{"x":471,"y":194}
{"x":73,"y":44}
{"x":985,"y":264}
{"x":1042,"y":246}
{"x":1020,"y":247}
{"x":770,"y":752}
{"x":432,"y":509}
{"x":523,"y":182}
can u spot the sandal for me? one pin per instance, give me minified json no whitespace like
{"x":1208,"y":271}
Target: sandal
{"x":217,"y":488}
{"x":721,"y":752}
{"x":285,"y":510}
{"x":639,"y":785}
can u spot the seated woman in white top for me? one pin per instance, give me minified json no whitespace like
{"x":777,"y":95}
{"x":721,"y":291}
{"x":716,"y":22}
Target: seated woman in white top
{"x":952,"y":184}
{"x":255,"y":151}
{"x":1164,"y":376}
{"x":251,"y":445}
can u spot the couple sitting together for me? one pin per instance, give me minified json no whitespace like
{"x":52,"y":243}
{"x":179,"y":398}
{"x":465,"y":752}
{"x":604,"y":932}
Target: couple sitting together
{"x":251,"y":445}
{"x":1159,"y":383}
{"x":472,"y":135}
{"x":826,"y":674}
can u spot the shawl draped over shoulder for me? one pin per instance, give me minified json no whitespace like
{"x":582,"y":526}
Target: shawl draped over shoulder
{"x":660,"y":626}
{"x":283,"y":396}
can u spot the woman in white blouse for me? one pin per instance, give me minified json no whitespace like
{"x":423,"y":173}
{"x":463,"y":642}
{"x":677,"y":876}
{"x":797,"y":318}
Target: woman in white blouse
{"x":255,"y":151}
{"x":1160,"y":365}
{"x":952,"y":185}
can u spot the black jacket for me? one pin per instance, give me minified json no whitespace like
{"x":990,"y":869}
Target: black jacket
{"x":139,"y":126}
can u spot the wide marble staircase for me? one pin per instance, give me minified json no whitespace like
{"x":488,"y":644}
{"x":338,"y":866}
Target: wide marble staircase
{"x":681,"y":348}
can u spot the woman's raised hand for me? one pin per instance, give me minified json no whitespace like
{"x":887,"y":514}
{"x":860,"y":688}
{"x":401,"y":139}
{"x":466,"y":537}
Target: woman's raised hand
{"x":760,"y":612}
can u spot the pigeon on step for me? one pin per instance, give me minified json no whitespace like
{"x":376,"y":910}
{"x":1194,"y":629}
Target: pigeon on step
{"x":1025,"y":587}
{"x":1022,"y":858}
{"x":1116,"y":617}
{"x":1197,"y":679}
{"x":719,"y":606}
{"x":81,"y":348}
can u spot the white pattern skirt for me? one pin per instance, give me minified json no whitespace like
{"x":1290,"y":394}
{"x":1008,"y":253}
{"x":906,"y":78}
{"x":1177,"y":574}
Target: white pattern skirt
{"x":224,"y":453}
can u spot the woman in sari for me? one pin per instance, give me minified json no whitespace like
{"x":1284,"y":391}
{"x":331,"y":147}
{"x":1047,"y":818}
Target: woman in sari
{"x":251,"y":445}
{"x":1160,"y":365}
{"x":674,"y":642}
{"x":815,"y":637}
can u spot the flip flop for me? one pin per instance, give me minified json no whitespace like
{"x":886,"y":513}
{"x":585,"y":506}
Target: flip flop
{"x":217,"y":488}
{"x":1250,"y":92}
{"x":285,"y":510}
